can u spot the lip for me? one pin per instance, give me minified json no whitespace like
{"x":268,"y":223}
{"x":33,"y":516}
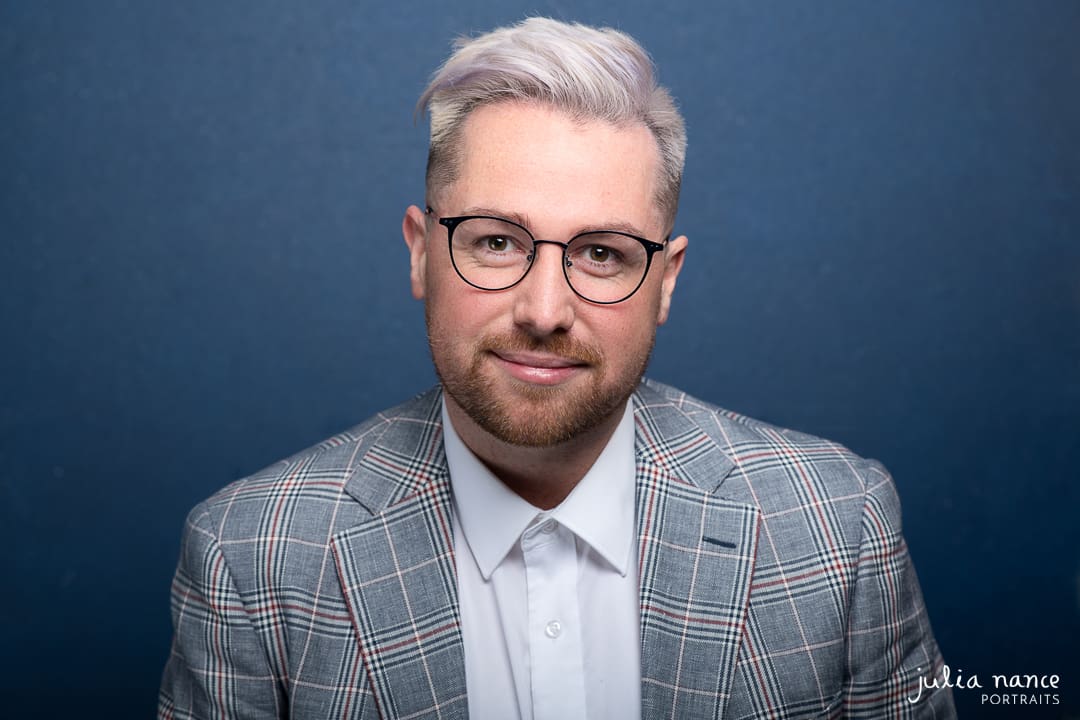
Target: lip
{"x":538,"y":368}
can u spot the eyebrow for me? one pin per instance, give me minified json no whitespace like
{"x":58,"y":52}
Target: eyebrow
{"x":523,"y":220}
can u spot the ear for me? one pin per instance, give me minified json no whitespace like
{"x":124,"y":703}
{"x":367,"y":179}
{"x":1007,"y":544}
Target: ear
{"x":674,"y":254}
{"x":414,"y":228}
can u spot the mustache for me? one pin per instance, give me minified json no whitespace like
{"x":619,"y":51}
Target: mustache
{"x":558,"y":344}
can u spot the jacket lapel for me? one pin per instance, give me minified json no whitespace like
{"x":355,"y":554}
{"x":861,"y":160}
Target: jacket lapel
{"x":696,"y":555}
{"x":397,"y":570}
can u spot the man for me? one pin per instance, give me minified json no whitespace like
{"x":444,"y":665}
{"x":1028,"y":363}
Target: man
{"x":545,"y":535}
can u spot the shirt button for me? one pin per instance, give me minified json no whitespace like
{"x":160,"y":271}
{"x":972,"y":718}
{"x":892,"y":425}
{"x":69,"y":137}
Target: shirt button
{"x":553,"y":629}
{"x":548,"y":527}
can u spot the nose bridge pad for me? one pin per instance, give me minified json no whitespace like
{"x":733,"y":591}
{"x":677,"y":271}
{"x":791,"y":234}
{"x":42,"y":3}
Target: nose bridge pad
{"x":541,"y":275}
{"x":563,"y":247}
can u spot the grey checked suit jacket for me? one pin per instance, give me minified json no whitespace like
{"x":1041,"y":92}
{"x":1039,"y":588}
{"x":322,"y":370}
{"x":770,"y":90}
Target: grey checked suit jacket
{"x":775,"y":582}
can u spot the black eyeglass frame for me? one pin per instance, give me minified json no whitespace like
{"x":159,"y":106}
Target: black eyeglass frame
{"x":451,"y":224}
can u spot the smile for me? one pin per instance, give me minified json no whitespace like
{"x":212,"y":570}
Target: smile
{"x":538,"y":368}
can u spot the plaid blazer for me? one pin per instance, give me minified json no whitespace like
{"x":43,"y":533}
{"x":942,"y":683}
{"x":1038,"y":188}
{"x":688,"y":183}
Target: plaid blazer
{"x":775,"y":582}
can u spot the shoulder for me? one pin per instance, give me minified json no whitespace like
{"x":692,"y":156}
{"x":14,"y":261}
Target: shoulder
{"x":308,"y":492}
{"x":730,"y":428}
{"x":777,"y":469}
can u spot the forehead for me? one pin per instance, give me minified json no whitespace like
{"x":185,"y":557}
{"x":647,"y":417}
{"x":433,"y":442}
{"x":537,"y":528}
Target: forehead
{"x":560,"y":172}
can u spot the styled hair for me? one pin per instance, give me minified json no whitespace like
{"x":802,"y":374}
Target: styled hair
{"x":588,"y":73}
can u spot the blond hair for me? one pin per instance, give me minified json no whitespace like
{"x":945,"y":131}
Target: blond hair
{"x":589,"y":73}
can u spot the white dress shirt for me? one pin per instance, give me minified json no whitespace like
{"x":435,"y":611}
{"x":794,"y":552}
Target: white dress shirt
{"x":549,"y":599}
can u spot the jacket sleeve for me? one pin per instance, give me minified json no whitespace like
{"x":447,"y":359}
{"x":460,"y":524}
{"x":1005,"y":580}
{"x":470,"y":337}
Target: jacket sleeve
{"x":894,"y":664}
{"x":218,"y":665}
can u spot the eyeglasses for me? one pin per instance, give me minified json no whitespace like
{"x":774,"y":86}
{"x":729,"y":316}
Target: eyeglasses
{"x":601,"y":266}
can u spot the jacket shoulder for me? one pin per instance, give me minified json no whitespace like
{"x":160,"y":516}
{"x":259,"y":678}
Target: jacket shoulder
{"x":727,"y":425}
{"x":771,"y":459}
{"x":312,"y":480}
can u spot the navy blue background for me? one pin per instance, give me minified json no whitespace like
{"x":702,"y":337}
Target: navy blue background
{"x":202,"y":272}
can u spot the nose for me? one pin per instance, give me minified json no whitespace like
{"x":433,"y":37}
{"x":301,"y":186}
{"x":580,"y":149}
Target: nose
{"x":544,"y":302}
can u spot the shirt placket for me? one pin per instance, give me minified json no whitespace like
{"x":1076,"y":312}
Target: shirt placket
{"x":555,"y":644}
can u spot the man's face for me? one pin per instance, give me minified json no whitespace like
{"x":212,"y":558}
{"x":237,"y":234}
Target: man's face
{"x":535,"y":364}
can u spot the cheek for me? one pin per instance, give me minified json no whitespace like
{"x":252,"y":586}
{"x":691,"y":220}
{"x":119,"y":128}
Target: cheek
{"x":457,"y":313}
{"x":623,"y":332}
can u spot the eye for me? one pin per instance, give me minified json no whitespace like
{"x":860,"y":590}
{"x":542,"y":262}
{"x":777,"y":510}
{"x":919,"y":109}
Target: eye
{"x":599,"y":254}
{"x":497,"y":243}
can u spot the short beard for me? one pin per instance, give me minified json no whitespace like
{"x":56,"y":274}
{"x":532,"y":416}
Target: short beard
{"x":553,"y":417}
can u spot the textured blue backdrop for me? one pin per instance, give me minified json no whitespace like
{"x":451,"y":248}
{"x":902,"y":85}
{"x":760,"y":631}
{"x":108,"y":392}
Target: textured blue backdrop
{"x":202,"y":272}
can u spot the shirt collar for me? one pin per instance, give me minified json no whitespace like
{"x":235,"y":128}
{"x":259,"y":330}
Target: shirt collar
{"x":493,"y":516}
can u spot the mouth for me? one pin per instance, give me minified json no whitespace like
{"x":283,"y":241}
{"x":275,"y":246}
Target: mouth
{"x":538,"y":368}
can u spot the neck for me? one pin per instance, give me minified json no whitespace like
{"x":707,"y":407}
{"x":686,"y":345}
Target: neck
{"x":542,"y":476}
